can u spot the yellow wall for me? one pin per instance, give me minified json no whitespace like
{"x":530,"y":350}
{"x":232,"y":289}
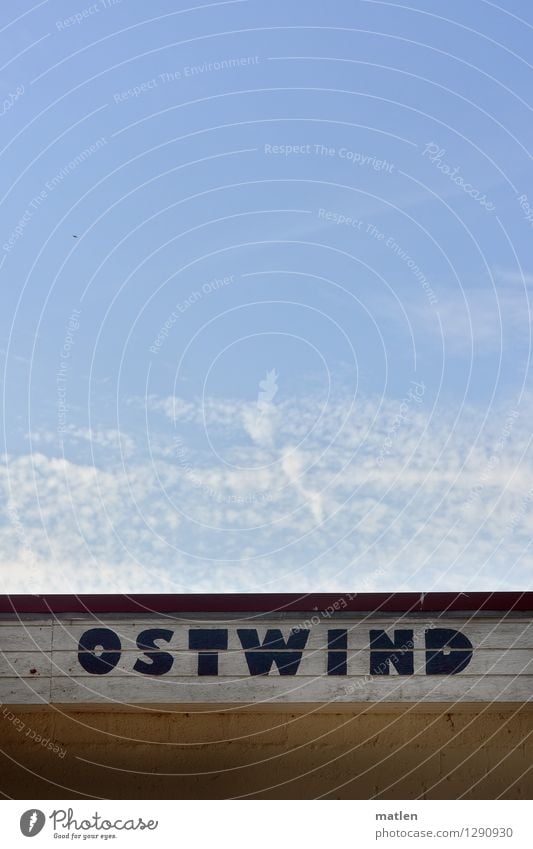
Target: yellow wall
{"x":480,"y":752}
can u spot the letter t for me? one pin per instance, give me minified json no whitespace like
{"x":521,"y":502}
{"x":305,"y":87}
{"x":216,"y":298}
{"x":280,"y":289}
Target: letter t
{"x":208,"y":642}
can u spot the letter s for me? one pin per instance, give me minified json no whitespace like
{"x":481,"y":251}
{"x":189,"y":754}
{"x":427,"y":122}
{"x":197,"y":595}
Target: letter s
{"x":161,"y":661}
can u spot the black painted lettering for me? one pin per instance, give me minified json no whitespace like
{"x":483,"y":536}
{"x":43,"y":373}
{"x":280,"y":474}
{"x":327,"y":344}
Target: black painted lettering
{"x":337,"y":655}
{"x":102,"y":639}
{"x":208,"y":642}
{"x":160,"y":661}
{"x":274,"y":649}
{"x":447,"y":651}
{"x":383,"y":652}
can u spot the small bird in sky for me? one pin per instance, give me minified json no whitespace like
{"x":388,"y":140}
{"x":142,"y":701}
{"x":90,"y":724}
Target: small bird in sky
{"x":74,"y":237}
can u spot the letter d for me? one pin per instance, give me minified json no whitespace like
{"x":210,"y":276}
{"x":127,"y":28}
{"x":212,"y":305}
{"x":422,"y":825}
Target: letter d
{"x":447,"y":651}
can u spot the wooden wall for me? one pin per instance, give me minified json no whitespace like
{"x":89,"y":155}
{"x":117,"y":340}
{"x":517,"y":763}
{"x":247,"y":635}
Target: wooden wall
{"x":40,"y":661}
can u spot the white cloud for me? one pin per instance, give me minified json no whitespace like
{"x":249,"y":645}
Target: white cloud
{"x":480,"y":320}
{"x":468,"y":319}
{"x":292,"y":464}
{"x":513,"y":277}
{"x":108,"y":438}
{"x":447,"y":506}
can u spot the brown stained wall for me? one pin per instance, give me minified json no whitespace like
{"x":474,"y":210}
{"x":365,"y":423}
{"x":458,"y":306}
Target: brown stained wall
{"x":482,"y":753}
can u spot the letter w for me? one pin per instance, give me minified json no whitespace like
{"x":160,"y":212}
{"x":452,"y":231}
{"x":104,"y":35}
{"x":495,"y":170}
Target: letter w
{"x":274,"y":649}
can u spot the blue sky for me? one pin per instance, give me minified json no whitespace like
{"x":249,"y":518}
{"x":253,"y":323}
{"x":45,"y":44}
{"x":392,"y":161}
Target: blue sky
{"x":265,"y":316}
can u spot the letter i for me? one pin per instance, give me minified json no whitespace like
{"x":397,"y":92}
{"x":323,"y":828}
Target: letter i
{"x":337,"y":654}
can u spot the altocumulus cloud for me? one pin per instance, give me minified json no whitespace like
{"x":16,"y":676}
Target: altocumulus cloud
{"x":369,"y":495}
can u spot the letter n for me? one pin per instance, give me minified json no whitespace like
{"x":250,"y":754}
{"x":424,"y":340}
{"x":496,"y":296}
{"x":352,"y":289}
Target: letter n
{"x":383,"y":652}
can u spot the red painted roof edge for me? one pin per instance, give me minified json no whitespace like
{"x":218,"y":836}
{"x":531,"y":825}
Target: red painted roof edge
{"x":267,"y":603}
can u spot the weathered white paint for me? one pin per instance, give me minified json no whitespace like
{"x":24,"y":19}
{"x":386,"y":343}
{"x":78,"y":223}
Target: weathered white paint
{"x":313,"y":663}
{"x":25,"y":691}
{"x":19,"y":637}
{"x":25,"y":664}
{"x":487,"y":633}
{"x":137,"y":690}
{"x":41,"y":662}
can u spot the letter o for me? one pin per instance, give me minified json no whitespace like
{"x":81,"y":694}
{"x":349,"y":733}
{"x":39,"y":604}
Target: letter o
{"x":105,"y":662}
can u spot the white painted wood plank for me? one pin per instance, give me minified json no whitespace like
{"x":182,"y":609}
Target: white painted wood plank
{"x":272,"y":620}
{"x":67,"y":637}
{"x":24,"y":691}
{"x":7,"y":621}
{"x":501,"y":667}
{"x":483,"y":634}
{"x":140,"y":690}
{"x":18,"y":637}
{"x":495,"y":662}
{"x":25,"y":664}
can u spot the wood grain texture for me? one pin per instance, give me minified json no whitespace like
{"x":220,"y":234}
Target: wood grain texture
{"x":137,"y":689}
{"x":487,"y":634}
{"x":42,"y":661}
{"x":29,"y":664}
{"x":19,"y":637}
{"x":24,"y":691}
{"x":313,"y":663}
